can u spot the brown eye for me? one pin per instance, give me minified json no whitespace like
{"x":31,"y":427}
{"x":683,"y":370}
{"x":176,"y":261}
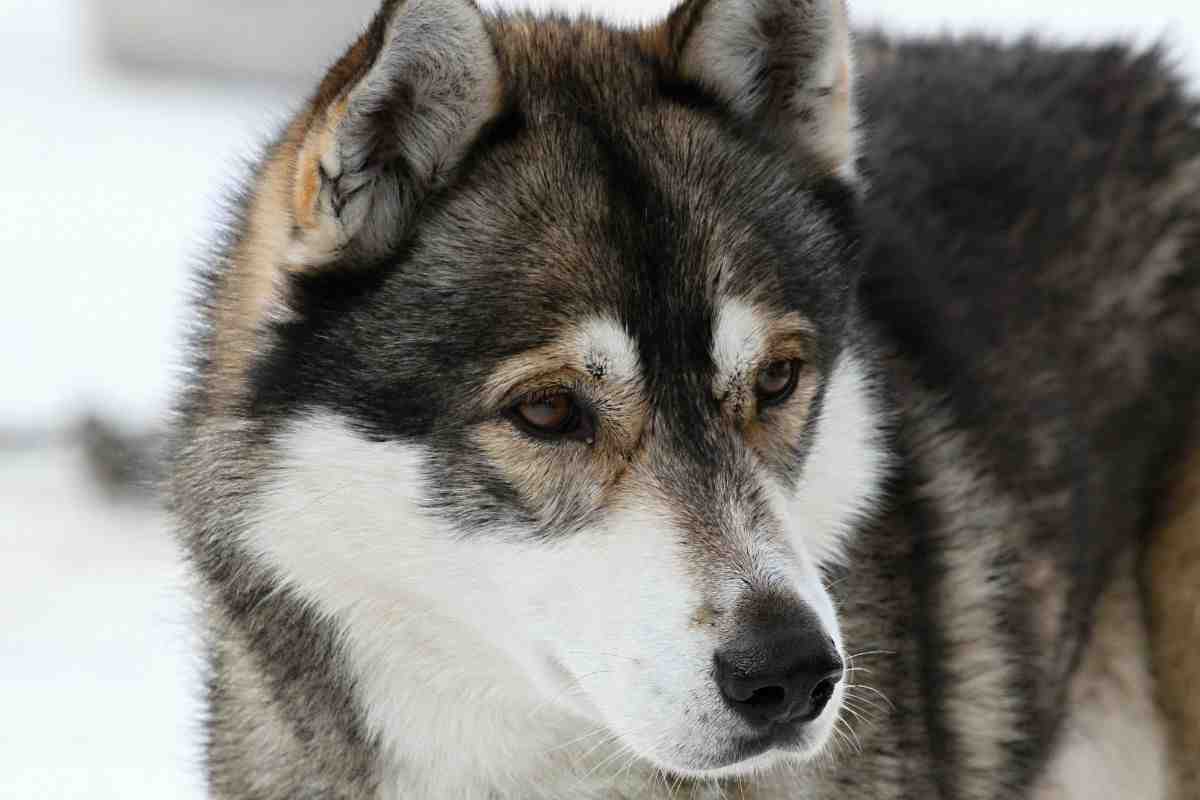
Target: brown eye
{"x":553,"y":416}
{"x":776,"y":382}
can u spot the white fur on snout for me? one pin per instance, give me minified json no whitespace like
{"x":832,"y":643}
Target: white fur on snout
{"x":489,"y":651}
{"x":844,"y":472}
{"x":436,"y":639}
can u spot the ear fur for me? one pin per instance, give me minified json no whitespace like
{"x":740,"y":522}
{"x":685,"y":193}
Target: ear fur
{"x":784,"y":64}
{"x":390,"y":123}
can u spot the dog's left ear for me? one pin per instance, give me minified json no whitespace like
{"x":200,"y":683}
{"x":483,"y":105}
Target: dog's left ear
{"x":786,"y":65}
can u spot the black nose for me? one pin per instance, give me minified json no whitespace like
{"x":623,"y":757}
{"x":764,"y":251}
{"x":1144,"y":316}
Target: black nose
{"x":779,"y":672}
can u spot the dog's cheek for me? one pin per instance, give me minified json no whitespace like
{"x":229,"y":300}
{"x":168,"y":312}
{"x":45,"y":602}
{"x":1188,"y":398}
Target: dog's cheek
{"x":621,"y":612}
{"x":843,"y":476}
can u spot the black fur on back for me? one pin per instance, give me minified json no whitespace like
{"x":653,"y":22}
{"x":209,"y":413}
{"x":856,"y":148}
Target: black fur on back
{"x":1033,"y":269}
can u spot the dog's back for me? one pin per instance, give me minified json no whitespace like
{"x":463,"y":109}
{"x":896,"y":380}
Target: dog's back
{"x":1035,"y":267}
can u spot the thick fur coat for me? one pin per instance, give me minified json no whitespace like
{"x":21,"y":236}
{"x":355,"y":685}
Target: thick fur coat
{"x":981,"y":264}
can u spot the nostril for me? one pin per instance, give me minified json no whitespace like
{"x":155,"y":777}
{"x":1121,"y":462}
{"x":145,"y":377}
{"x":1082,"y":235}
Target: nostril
{"x":766,"y":697}
{"x":819,"y":698}
{"x":779,"y":672}
{"x":823,"y":691}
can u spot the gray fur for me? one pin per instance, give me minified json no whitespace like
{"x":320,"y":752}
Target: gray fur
{"x":1029,"y":298}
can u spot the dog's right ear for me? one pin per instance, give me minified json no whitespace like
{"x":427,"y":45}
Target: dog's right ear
{"x":391,"y":121}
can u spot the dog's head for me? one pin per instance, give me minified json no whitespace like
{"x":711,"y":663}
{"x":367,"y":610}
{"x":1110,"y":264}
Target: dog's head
{"x":551,"y":332}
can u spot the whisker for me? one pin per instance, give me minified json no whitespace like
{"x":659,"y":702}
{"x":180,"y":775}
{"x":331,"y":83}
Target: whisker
{"x":620,"y":751}
{"x":875,"y":691}
{"x":575,"y":687}
{"x":603,"y":742}
{"x":593,"y":732}
{"x":872,"y":653}
{"x":861,"y":699}
{"x":857,"y":742}
{"x":856,"y":713}
{"x":629,"y":762}
{"x":841,"y":734}
{"x":601,"y":653}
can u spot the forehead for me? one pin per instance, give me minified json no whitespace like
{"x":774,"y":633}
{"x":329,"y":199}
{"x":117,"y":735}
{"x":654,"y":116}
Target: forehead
{"x":652,"y":214}
{"x":605,"y":192}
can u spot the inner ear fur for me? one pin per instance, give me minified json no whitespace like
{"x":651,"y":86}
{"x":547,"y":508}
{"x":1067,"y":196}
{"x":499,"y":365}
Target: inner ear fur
{"x":786,"y":66}
{"x":390,"y":123}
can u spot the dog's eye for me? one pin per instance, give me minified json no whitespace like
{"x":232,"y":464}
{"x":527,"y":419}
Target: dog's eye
{"x":553,"y":416}
{"x":776,"y":382}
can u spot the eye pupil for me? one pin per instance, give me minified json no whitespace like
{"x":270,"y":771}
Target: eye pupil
{"x":552,"y":416}
{"x":776,"y":382}
{"x":547,"y":412}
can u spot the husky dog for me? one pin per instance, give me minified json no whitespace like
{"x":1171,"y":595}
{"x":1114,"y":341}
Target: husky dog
{"x":710,"y":409}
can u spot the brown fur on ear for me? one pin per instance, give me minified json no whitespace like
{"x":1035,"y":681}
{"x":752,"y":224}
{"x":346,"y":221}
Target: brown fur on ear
{"x":1172,"y":581}
{"x":784,"y":64}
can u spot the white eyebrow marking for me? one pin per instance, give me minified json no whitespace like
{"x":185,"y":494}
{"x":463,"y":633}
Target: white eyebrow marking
{"x":738,"y":341}
{"x":608,"y":351}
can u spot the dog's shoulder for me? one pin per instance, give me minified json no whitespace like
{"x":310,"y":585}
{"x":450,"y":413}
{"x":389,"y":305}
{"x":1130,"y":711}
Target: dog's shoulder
{"x":1014,"y":126}
{"x":1034,"y":220}
{"x":1032,"y":268}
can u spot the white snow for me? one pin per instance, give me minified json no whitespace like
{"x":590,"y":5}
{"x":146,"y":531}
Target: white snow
{"x":111,"y":187}
{"x":99,"y":686}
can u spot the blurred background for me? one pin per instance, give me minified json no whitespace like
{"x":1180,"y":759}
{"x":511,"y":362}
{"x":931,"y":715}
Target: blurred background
{"x":123,"y":123}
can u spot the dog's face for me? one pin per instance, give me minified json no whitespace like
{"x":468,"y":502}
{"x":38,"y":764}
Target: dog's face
{"x":579,"y":384}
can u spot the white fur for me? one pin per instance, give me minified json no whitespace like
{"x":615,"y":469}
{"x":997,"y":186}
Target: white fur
{"x":479,"y":659}
{"x":738,"y":343}
{"x":605,"y":342}
{"x":970,"y":603}
{"x":844,"y":475}
{"x":431,"y":640}
{"x":1114,"y":743}
{"x":1113,"y":749}
{"x":454,"y":642}
{"x":846,"y":468}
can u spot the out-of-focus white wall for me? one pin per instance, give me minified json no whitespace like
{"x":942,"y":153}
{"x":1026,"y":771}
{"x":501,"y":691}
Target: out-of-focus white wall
{"x":227,"y":36}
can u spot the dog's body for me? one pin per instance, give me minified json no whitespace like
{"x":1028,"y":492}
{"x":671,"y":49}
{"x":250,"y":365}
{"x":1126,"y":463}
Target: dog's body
{"x":415,"y":589}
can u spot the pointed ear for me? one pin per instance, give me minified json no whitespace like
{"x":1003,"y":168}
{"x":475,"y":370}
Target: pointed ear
{"x":784,"y":64}
{"x":389,"y":123}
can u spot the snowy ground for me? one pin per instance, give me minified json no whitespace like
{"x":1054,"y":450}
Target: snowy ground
{"x":97,"y":679}
{"x":110,"y":186}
